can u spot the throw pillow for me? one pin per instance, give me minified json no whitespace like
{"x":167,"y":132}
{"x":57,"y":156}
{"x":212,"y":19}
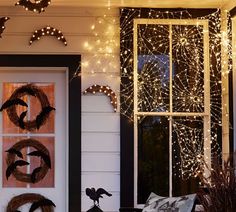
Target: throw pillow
{"x":157,"y":203}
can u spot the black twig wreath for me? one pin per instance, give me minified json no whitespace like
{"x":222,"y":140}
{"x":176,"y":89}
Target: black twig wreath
{"x":41,"y":118}
{"x":44,"y":166}
{"x":38,"y":201}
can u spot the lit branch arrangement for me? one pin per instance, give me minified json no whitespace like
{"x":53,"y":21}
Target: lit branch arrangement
{"x":38,"y":6}
{"x":48,"y":31}
{"x":105,"y":90}
{"x":2,"y":24}
{"x":103,"y":46}
{"x":153,"y":78}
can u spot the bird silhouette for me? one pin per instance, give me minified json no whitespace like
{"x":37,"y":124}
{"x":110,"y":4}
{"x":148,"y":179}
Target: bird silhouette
{"x":15,"y":152}
{"x":12,"y":167}
{"x":11,"y":102}
{"x":96,"y":194}
{"x":41,"y":203}
{"x":40,"y":118}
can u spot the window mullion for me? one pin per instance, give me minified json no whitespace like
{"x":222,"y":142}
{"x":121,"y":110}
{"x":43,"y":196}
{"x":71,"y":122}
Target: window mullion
{"x":171,"y":111}
{"x":135,"y":63}
{"x":135,"y":81}
{"x":207,"y":117}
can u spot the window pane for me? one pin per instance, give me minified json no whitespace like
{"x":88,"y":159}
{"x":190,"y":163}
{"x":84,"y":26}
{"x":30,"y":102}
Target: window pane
{"x":48,"y":180}
{"x":7,"y":143}
{"x":153,"y":157}
{"x":8,"y":125}
{"x":35,"y":109}
{"x":188,"y":154}
{"x":188,"y":68}
{"x":153,"y":68}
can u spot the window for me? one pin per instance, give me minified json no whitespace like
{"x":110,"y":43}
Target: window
{"x":174,"y":110}
{"x":171,"y":105}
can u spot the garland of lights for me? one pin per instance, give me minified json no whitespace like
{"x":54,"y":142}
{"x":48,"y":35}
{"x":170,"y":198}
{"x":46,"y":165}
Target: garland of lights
{"x":190,"y":140}
{"x":105,"y":90}
{"x":48,"y":31}
{"x":2,"y":24}
{"x":39,"y":5}
{"x":37,"y":200}
{"x":103,"y":45}
{"x":44,"y":166}
{"x":187,"y":93}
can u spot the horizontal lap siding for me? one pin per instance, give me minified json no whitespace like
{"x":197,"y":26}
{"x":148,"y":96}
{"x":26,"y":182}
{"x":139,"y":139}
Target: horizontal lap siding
{"x":100,"y":122}
{"x":100,"y":125}
{"x":101,"y":142}
{"x":100,"y":129}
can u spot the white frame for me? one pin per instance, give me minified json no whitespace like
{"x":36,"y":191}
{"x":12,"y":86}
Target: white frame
{"x":205,"y":114}
{"x":234,"y":75}
{"x":52,"y":70}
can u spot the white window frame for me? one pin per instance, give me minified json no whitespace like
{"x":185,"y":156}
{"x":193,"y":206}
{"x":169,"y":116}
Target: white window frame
{"x":171,"y":114}
{"x":234,"y":74}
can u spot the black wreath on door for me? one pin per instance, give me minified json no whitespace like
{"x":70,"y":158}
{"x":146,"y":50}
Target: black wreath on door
{"x":14,"y":100}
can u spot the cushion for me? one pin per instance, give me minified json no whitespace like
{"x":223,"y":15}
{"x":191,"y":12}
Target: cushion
{"x":157,"y":203}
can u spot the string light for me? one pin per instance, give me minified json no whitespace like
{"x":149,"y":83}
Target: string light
{"x":104,"y":44}
{"x":48,"y":31}
{"x":2,"y":24}
{"x":105,"y":90}
{"x":189,"y":137}
{"x":38,"y":6}
{"x":188,"y":83}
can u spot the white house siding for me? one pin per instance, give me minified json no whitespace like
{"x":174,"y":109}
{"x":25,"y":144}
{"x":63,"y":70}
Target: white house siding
{"x":100,"y":125}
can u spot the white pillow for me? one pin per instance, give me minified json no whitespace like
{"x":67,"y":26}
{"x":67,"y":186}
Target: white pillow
{"x":157,"y":203}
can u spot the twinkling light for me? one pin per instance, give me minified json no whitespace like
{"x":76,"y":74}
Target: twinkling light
{"x":2,"y":24}
{"x":189,"y":137}
{"x":181,"y":49}
{"x":105,"y":90}
{"x":36,"y":6}
{"x":48,"y":31}
{"x":104,"y":44}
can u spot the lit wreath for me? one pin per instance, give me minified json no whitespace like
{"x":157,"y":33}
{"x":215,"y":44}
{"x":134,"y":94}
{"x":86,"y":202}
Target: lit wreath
{"x":44,"y":165}
{"x":48,"y":31}
{"x":2,"y":24}
{"x":37,"y":200}
{"x":39,"y":5}
{"x":105,"y":90}
{"x":41,"y":118}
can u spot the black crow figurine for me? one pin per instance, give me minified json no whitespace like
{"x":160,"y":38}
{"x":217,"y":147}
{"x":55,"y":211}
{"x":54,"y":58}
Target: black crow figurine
{"x":96,"y":194}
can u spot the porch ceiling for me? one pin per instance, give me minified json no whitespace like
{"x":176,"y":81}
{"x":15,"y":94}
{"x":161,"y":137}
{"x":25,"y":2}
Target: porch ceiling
{"x":138,"y":3}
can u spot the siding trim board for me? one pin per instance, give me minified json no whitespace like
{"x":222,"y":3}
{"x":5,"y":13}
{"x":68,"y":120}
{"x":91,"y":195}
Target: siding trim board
{"x":71,"y":62}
